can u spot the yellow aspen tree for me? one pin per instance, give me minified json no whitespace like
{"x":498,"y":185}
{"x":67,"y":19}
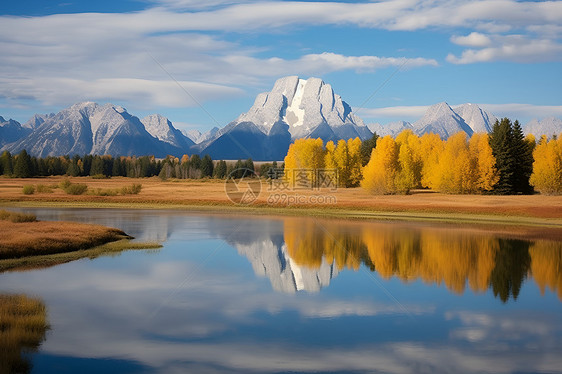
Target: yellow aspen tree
{"x":329,"y":159}
{"x":431,"y":148}
{"x":380,"y":173}
{"x":409,"y":159}
{"x":355,"y":165}
{"x":455,"y":167}
{"x":486,"y":173}
{"x":547,"y":167}
{"x":341,"y":157}
{"x":303,"y":158}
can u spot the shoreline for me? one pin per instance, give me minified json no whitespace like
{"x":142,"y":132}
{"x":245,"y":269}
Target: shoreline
{"x":208,"y":196}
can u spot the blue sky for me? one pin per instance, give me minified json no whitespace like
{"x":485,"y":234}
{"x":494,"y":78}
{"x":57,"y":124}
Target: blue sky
{"x":201,"y":63}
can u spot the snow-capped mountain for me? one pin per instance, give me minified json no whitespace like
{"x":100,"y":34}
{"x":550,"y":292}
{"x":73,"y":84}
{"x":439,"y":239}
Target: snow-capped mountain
{"x":162,"y":129}
{"x":392,"y":128}
{"x":442,"y":120}
{"x":11,"y":131}
{"x":90,"y":128}
{"x":37,"y":120}
{"x":547,"y":126}
{"x":295,"y":108}
{"x":477,"y":119}
{"x":197,"y":137}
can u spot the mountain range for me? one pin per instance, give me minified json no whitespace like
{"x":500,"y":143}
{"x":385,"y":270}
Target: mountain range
{"x":295,"y":108}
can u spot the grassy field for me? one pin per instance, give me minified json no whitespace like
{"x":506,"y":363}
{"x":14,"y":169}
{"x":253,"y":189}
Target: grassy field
{"x":346,"y":203}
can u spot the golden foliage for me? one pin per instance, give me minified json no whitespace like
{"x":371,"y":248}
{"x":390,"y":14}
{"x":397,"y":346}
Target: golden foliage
{"x":546,"y":266}
{"x":547,"y":167}
{"x":380,"y":173}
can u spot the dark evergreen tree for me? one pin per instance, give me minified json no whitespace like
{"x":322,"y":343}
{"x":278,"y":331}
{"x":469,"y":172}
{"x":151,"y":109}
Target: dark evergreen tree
{"x":195,"y":162}
{"x":23,"y":167}
{"x":367,"y":147}
{"x":87,"y":164}
{"x":97,"y":166}
{"x":249,"y":164}
{"x":117,"y":168}
{"x":523,"y":155}
{"x":6,"y":163}
{"x":207,"y":166}
{"x":514,"y":158}
{"x":220,"y":170}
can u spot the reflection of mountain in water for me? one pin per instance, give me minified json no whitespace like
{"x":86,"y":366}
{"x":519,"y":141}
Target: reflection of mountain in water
{"x":272,"y":260}
{"x":262,"y":243}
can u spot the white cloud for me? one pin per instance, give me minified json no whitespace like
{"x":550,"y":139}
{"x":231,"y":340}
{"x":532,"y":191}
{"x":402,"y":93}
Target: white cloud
{"x":499,"y":110}
{"x":474,"y":39}
{"x":516,"y":48}
{"x":395,"y":111}
{"x":523,"y":110}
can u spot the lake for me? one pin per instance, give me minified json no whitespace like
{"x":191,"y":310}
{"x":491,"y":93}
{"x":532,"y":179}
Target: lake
{"x":241,"y":294}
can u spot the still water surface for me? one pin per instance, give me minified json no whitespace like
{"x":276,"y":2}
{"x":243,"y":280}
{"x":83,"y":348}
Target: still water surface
{"x":235,"y":294}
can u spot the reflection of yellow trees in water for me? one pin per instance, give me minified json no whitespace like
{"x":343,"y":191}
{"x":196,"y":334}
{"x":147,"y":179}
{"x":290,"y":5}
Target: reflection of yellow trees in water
{"x":546,"y":266}
{"x":456,"y":259}
{"x":23,"y":323}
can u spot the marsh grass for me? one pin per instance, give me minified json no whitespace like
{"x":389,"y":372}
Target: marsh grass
{"x":104,"y":192}
{"x":44,"y":261}
{"x":133,"y":189}
{"x":43,"y":188}
{"x":28,"y":189}
{"x":23,"y":324}
{"x":27,"y":238}
{"x":14,"y":217}
{"x":76,"y":189}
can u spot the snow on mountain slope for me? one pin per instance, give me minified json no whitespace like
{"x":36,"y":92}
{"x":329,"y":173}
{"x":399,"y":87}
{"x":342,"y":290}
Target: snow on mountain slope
{"x":476,"y":118}
{"x":547,"y":126}
{"x":161,"y":128}
{"x":442,"y":120}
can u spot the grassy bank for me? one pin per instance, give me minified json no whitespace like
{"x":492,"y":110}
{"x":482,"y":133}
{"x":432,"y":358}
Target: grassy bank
{"x":210,"y":196}
{"x":44,"y":261}
{"x":28,"y":243}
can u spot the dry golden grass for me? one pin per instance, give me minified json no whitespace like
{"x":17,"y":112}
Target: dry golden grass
{"x":42,"y":237}
{"x":212,"y":192}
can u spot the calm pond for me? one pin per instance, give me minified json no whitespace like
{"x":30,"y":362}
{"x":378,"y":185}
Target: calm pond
{"x":236,"y":294}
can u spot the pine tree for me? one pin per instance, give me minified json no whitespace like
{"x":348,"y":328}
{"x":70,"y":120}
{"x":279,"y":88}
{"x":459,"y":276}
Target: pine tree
{"x":220,"y":170}
{"x":6,"y":163}
{"x":501,"y":142}
{"x":523,"y":154}
{"x":23,"y":166}
{"x":513,"y":158}
{"x":97,"y":166}
{"x":207,"y":166}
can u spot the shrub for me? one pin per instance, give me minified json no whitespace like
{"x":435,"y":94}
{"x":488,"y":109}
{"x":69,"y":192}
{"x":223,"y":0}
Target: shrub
{"x":76,"y":189}
{"x":133,"y":189}
{"x":28,"y":189}
{"x":42,"y":188}
{"x":17,"y":217}
{"x":100,"y":176}
{"x":64,"y":184}
{"x":103,"y":192}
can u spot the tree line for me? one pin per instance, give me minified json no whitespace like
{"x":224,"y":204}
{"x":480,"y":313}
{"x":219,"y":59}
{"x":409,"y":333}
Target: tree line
{"x":23,"y":165}
{"x":502,"y":162}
